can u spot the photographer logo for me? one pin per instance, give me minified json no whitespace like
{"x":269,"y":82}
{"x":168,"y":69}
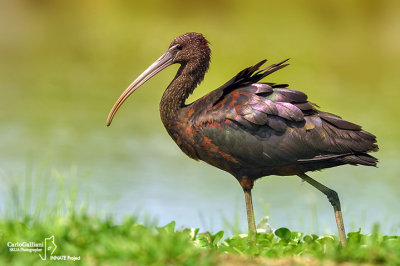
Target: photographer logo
{"x":45,"y":249}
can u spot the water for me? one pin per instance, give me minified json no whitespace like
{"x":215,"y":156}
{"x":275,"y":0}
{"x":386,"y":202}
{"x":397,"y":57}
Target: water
{"x":148,"y":174}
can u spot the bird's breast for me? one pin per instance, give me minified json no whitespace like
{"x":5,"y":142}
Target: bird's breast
{"x":193,"y":141}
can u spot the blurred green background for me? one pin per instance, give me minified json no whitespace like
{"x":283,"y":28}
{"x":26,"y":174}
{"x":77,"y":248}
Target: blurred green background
{"x":64,"y":63}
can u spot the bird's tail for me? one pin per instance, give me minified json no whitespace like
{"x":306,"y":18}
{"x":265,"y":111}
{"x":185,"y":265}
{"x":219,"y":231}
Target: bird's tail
{"x":359,"y":159}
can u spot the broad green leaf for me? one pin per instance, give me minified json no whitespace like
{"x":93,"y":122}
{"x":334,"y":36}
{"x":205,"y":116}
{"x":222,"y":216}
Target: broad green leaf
{"x":283,"y":233}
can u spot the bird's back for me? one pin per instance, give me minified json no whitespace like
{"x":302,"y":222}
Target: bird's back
{"x":256,"y":129}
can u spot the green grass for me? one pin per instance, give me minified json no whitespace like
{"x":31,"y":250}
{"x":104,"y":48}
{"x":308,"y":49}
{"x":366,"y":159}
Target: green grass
{"x":102,"y":241}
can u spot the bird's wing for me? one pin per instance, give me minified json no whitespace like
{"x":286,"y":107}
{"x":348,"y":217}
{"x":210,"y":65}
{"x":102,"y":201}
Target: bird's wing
{"x":265,"y":123}
{"x":262,"y":104}
{"x":251,"y":75}
{"x":249,"y":103}
{"x":244,"y":78}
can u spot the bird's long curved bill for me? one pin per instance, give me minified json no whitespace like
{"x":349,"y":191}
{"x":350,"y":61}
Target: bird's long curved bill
{"x":164,"y":61}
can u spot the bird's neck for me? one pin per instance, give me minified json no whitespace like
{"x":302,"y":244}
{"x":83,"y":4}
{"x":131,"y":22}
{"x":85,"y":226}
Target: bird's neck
{"x":186,"y":80}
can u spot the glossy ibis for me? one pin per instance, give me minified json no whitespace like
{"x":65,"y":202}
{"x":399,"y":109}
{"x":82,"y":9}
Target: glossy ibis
{"x":252,"y":129}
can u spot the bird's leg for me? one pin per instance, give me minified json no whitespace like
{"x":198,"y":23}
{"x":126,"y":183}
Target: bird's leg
{"x":247,"y":185}
{"x":334,"y":200}
{"x":250,"y":215}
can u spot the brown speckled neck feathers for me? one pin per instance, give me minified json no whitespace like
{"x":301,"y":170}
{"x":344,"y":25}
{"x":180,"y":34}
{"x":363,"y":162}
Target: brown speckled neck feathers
{"x":189,"y":75}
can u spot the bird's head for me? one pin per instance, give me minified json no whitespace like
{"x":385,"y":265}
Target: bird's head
{"x":190,"y":46}
{"x":187,"y":48}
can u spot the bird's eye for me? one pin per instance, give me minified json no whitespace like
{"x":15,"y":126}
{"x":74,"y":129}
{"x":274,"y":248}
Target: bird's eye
{"x":179,"y":46}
